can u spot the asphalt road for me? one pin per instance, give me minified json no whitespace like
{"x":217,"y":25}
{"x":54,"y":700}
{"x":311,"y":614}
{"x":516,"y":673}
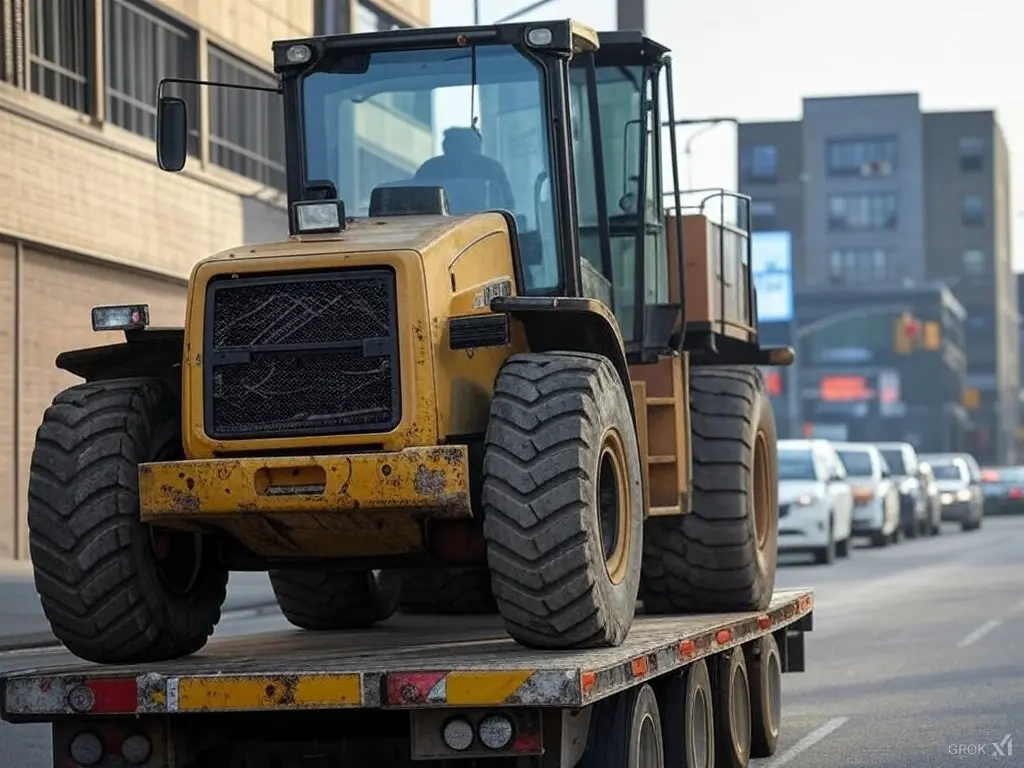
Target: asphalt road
{"x":912,"y":662}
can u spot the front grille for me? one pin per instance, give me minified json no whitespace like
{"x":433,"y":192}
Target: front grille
{"x":300,"y":355}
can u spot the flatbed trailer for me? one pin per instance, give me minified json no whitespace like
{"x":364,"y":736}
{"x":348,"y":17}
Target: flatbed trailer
{"x":680,"y":692}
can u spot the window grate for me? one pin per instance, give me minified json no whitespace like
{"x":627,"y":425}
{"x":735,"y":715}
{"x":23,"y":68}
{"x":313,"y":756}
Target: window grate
{"x":60,"y":51}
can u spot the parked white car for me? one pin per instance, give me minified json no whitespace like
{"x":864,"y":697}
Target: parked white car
{"x":876,"y":499}
{"x":815,"y":500}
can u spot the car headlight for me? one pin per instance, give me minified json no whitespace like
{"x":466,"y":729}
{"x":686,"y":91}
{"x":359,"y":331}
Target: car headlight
{"x":806,"y":500}
{"x":946,"y":498}
{"x":963,"y":495}
{"x":908,"y":486}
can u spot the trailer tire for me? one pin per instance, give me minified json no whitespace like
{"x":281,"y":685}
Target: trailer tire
{"x":109,"y":596}
{"x":722,"y":555}
{"x":732,"y":710}
{"x":764,"y":669}
{"x":319,"y":599}
{"x":688,"y":719}
{"x":560,"y":456}
{"x":625,"y":729}
{"x":447,"y":591}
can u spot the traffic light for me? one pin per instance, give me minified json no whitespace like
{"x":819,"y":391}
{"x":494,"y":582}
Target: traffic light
{"x":906,"y":334}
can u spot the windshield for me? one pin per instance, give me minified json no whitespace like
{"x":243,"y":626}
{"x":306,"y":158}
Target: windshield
{"x":951,"y":471}
{"x":894,"y":458}
{"x":857,"y":463}
{"x":796,"y":465}
{"x":415,"y":118}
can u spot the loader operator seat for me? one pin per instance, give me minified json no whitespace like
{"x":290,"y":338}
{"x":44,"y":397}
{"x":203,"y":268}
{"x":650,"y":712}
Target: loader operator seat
{"x":474,"y":182}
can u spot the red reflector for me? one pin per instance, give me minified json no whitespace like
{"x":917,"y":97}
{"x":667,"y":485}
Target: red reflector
{"x":528,"y":743}
{"x":687,"y":649}
{"x":639,"y":666}
{"x":412,"y":688}
{"x":764,"y":622}
{"x":114,"y":697}
{"x":1016,"y":493}
{"x":723,"y":636}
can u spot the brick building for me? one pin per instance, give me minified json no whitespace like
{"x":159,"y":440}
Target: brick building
{"x":87,"y":218}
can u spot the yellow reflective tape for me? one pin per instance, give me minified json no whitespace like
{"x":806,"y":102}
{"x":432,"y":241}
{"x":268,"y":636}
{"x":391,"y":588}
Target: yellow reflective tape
{"x":483,"y":688}
{"x":286,"y":692}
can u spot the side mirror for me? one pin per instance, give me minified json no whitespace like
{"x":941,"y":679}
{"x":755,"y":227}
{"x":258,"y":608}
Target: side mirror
{"x":171,"y":133}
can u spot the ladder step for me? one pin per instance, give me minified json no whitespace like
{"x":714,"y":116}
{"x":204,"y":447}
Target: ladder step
{"x":663,"y":511}
{"x":660,"y":401}
{"x":667,"y":458}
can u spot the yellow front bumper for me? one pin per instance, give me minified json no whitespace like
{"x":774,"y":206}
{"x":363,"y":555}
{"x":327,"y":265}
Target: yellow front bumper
{"x":331,"y":506}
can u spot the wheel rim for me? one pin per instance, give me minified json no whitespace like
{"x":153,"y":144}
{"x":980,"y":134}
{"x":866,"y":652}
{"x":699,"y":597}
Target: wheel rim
{"x":613,"y":506}
{"x":650,"y":750}
{"x":774,"y":681}
{"x":739,"y":706}
{"x":699,"y":738}
{"x":179,"y":559}
{"x":762,"y":489}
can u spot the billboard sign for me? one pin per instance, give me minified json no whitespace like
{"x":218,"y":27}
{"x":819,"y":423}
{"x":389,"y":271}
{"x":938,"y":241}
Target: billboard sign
{"x":772,"y":267}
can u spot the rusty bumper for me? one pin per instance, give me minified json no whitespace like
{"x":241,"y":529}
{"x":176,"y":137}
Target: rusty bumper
{"x":432,"y":481}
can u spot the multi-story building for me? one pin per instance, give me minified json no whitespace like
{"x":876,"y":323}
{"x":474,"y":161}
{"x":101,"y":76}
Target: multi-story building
{"x":86,"y":217}
{"x":875,"y":192}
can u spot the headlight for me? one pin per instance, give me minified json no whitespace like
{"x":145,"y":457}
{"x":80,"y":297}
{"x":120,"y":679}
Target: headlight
{"x":964,"y":495}
{"x":946,"y":498}
{"x":806,"y":500}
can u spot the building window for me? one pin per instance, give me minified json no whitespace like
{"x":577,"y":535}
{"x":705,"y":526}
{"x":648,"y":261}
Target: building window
{"x":863,"y":211}
{"x":974,"y":261}
{"x":370,"y":18}
{"x":762,"y":215}
{"x":760,"y":163}
{"x":873,"y":156}
{"x":331,"y":17}
{"x":974,"y":211}
{"x":246,"y":127}
{"x":972,"y":153}
{"x":60,"y":53}
{"x":141,"y":47}
{"x":861,"y":265}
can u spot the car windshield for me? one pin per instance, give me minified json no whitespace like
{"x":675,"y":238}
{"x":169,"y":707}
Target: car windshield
{"x":796,"y":465}
{"x":948,"y":471}
{"x":857,"y":463}
{"x":894,"y":458}
{"x":415,"y":118}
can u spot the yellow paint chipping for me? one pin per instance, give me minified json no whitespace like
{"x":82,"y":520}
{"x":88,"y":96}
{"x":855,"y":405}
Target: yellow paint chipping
{"x":202,"y":694}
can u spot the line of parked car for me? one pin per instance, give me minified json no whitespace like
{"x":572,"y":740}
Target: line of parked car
{"x":832,"y":492}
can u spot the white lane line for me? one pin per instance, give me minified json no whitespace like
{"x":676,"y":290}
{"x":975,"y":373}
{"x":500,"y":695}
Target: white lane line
{"x":806,"y":742}
{"x":979,"y":633}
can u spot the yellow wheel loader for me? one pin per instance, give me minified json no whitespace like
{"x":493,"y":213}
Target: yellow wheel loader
{"x":489,"y":368}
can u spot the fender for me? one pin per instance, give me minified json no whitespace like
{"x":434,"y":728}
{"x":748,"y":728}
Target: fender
{"x":153,"y":352}
{"x":571,"y":324}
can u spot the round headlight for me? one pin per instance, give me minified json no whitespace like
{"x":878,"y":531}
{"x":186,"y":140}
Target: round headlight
{"x":495,"y":731}
{"x":458,"y":734}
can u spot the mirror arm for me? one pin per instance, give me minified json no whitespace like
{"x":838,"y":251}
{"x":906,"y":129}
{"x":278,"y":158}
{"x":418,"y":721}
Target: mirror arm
{"x":212,"y":84}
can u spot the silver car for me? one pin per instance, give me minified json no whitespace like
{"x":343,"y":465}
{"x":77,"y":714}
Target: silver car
{"x":958,"y":477}
{"x":876,"y":500}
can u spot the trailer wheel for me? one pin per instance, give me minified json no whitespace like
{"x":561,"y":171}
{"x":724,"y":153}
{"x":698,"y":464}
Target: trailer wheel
{"x":688,"y":719}
{"x":722,"y":555}
{"x":562,"y":500}
{"x":114,"y":589}
{"x":732,"y":710}
{"x":626,"y":730}
{"x":447,"y":591}
{"x":319,"y":599}
{"x":764,"y":667}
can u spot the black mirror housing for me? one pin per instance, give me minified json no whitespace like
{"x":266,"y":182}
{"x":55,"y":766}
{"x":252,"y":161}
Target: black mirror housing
{"x":171,"y":133}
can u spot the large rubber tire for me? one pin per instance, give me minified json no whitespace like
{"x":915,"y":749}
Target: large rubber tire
{"x":730,"y":685}
{"x":447,"y":591}
{"x":105,"y":593}
{"x":560,"y":426}
{"x":626,"y":730}
{"x":721,"y":556}
{"x":688,"y":718}
{"x":764,"y":673}
{"x":318,"y":599}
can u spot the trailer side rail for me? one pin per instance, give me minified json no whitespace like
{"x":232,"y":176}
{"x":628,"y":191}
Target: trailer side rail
{"x":653,"y":648}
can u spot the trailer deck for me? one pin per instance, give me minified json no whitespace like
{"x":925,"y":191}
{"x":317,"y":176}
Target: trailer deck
{"x":409,"y":662}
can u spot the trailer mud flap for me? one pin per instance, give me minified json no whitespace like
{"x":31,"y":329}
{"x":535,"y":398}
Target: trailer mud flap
{"x":791,"y":643}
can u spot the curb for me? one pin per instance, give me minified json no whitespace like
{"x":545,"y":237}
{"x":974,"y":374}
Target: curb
{"x":41,"y":641}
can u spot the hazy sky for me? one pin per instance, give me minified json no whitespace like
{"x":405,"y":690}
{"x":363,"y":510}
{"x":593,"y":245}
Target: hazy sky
{"x":756,"y":61}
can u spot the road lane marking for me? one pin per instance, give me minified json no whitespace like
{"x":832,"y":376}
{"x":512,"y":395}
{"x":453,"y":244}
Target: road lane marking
{"x":979,"y":633}
{"x":806,"y":742}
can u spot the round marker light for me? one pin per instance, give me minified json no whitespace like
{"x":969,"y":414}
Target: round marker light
{"x":136,"y":749}
{"x":539,"y":36}
{"x":458,"y":735}
{"x":81,"y":699}
{"x":86,"y":749}
{"x":495,"y":732}
{"x":298,"y":54}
